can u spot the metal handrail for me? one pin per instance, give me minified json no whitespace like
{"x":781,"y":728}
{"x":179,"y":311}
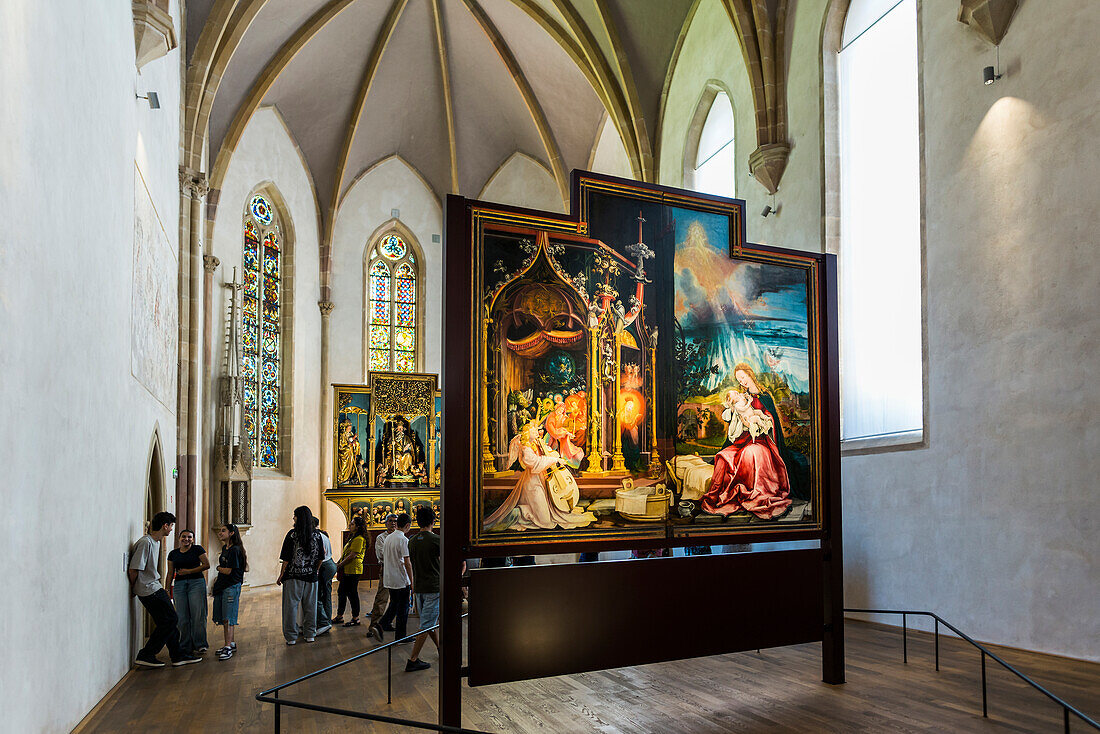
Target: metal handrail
{"x":1067,"y":709}
{"x":271,"y":695}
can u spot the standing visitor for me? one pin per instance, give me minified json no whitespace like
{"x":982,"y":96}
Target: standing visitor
{"x":301,"y":558}
{"x":350,"y":566}
{"x":397,"y":576}
{"x":424,"y":554}
{"x":232,"y":563}
{"x":187,"y":579}
{"x":324,"y":584}
{"x":145,"y":583}
{"x":382,"y":595}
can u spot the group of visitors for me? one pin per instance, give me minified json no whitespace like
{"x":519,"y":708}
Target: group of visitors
{"x":179,"y":613}
{"x":409,"y":573}
{"x":409,"y":578}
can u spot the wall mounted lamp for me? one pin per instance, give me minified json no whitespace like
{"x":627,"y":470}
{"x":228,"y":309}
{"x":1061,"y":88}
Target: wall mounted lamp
{"x":154,"y":99}
{"x":770,"y":209}
{"x":991,"y":74}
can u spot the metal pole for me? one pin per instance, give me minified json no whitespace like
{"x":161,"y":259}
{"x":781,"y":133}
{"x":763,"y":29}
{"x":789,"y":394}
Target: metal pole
{"x":985,"y":708}
{"x":1065,"y":719}
{"x":904,"y":638}
{"x":278,"y":724}
{"x":389,"y":674}
{"x":937,"y":645}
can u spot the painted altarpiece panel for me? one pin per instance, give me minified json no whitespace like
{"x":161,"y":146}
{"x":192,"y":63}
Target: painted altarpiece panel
{"x":644,"y":373}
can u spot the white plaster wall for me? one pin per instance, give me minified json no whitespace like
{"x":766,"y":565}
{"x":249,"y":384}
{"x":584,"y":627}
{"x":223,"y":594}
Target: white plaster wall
{"x":523,"y":181}
{"x":267,"y":154}
{"x":995,"y":525}
{"x":391,"y":184}
{"x":609,"y":154}
{"x":711,"y":54}
{"x":75,"y":426}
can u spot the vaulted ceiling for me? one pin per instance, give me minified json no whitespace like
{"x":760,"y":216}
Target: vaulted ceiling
{"x":452,"y":86}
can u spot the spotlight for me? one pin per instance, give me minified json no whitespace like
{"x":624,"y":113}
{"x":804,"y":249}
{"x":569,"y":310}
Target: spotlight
{"x":768,"y":210}
{"x":990,"y":75}
{"x":154,"y":99}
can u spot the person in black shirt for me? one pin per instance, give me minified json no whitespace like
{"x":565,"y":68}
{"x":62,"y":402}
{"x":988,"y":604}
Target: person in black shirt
{"x":302,"y":555}
{"x":187,"y":581}
{"x":232,"y":563}
{"x":424,"y":554}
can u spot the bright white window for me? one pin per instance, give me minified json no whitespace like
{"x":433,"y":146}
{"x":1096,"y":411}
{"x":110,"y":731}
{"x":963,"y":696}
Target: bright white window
{"x":880,"y":261}
{"x":714,"y":160}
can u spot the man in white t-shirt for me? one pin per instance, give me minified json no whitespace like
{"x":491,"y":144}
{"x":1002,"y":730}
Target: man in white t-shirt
{"x":397,"y":576}
{"x":145,"y":584}
{"x":324,"y":584}
{"x":382,"y":595}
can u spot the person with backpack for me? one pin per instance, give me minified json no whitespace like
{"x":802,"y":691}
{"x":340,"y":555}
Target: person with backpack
{"x":301,"y":556}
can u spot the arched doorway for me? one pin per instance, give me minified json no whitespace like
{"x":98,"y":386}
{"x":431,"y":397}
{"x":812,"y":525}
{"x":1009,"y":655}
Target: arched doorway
{"x":156,"y":500}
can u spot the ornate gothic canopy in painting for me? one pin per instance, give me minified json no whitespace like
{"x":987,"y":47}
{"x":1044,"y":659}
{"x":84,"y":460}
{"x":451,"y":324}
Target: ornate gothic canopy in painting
{"x":641,"y":372}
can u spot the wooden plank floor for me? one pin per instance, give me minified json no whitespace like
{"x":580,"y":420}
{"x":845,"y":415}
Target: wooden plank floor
{"x":778,"y":690}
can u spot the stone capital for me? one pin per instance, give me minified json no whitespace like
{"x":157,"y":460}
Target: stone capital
{"x":210,"y":263}
{"x":193,"y":183}
{"x":989,"y":18}
{"x":154,"y":30}
{"x":326,"y":307}
{"x":767,"y":164}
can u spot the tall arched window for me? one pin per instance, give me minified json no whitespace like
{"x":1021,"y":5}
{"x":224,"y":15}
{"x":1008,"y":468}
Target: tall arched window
{"x":712,"y":169}
{"x":261,"y":332}
{"x":392,"y":327}
{"x":880,"y":237}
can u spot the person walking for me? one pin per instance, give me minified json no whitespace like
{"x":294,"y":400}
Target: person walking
{"x":187,"y":583}
{"x":301,"y":557}
{"x":324,"y":584}
{"x":424,"y":554}
{"x":382,"y":594}
{"x":226,"y":590}
{"x":397,"y":576}
{"x":145,"y":584}
{"x":350,"y":567}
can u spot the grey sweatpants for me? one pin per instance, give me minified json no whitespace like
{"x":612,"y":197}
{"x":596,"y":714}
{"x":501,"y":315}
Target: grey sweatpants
{"x":298,"y":593}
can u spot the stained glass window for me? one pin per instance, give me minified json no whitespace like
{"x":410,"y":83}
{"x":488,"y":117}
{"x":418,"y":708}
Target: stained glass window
{"x":261,"y":331}
{"x":392,"y":331}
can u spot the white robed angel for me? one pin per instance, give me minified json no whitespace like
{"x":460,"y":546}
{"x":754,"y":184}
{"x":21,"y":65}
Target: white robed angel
{"x":530,"y":505}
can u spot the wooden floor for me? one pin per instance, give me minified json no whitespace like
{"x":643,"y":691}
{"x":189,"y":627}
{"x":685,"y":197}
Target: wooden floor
{"x":778,"y":690}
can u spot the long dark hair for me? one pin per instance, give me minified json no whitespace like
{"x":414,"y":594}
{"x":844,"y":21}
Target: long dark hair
{"x":304,"y":528}
{"x":358,"y":526}
{"x":235,"y":540}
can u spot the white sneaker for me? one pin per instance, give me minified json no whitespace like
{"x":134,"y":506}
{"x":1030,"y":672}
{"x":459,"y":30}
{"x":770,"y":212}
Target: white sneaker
{"x":292,"y":642}
{"x":311,"y":639}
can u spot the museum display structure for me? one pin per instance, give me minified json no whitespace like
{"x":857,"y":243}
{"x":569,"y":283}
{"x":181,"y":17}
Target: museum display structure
{"x":635,"y":375}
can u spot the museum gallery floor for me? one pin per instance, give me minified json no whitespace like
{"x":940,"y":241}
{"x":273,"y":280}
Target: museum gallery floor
{"x":778,"y":690}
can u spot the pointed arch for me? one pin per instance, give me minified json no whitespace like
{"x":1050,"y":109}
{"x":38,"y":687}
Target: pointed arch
{"x":267,"y":325}
{"x":714,"y":90}
{"x":393,"y":300}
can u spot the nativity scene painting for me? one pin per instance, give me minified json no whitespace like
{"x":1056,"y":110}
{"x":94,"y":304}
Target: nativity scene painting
{"x":652,"y":376}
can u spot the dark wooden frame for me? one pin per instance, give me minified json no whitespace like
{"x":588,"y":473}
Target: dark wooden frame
{"x":460,"y":384}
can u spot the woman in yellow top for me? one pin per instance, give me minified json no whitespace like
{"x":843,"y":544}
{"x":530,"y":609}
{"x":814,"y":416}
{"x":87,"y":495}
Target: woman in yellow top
{"x":350,"y":568}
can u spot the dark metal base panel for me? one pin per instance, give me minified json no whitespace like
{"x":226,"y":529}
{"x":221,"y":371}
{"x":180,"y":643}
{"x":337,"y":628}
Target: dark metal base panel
{"x":538,"y":621}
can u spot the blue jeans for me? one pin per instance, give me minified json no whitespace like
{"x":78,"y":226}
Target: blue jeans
{"x":226,"y":604}
{"x":190,"y":598}
{"x":324,"y":594}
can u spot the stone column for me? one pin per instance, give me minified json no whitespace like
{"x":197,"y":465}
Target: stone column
{"x":210,"y":264}
{"x":193,"y":187}
{"x":325,"y":422}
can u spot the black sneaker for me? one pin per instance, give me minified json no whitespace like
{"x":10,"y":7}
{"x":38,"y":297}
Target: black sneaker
{"x":225,"y":653}
{"x":413,"y":665}
{"x":148,"y":662}
{"x":186,"y":660}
